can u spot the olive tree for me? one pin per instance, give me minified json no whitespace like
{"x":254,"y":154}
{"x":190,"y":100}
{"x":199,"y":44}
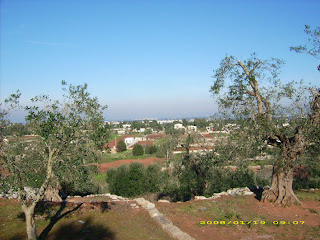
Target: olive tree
{"x":70,"y":132}
{"x":313,"y":45}
{"x":273,"y":113}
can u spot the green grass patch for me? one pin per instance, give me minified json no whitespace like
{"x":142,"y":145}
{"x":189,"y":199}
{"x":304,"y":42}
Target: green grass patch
{"x":108,"y":157}
{"x":309,"y":195}
{"x":99,"y":176}
{"x":262,"y":162}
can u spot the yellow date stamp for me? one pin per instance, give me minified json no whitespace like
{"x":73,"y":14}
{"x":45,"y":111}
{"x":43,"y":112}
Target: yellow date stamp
{"x":250,"y":222}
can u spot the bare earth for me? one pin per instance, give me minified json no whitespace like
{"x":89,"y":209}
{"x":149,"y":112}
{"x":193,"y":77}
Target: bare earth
{"x":105,"y":166}
{"x":240,"y":210}
{"x":101,"y":218}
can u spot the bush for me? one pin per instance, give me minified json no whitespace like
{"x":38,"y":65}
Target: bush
{"x":224,"y":179}
{"x":150,"y":149}
{"x":134,"y":179}
{"x":306,"y":177}
{"x":147,"y":150}
{"x":121,"y":146}
{"x":153,"y":178}
{"x":153,"y":149}
{"x":137,"y":150}
{"x":79,"y":182}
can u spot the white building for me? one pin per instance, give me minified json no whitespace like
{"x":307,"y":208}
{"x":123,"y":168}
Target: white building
{"x":192,"y":128}
{"x":178,"y":126}
{"x":129,"y":141}
{"x":126,"y":126}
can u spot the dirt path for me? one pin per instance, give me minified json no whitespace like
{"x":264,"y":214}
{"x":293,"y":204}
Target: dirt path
{"x":105,"y":166}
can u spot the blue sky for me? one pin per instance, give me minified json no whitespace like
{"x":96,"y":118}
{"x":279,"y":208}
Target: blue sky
{"x":146,"y":58}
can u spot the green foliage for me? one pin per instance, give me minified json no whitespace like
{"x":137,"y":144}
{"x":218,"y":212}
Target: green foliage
{"x":203,"y":175}
{"x":6,"y":107}
{"x":134,"y":179}
{"x":137,"y":125}
{"x":153,"y":149}
{"x":147,"y":150}
{"x":121,"y":146}
{"x":313,"y":45}
{"x":166,"y":146}
{"x":153,"y":178}
{"x":306,"y":177}
{"x":17,"y":130}
{"x":184,"y":122}
{"x":225,"y":178}
{"x":148,"y":131}
{"x":201,"y":123}
{"x":137,"y":150}
{"x":77,"y":180}
{"x":155,"y":126}
{"x":71,"y":131}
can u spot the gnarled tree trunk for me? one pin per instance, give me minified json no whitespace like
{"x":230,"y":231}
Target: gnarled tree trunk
{"x":282,"y":178}
{"x":281,"y":191}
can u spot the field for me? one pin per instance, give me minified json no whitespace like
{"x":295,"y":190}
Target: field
{"x":106,"y":220}
{"x":107,"y":157}
{"x":244,"y":217}
{"x":224,"y":218}
{"x":146,"y":161}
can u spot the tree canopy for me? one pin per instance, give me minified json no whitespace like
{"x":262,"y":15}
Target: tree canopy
{"x":70,"y":133}
{"x":254,"y":93}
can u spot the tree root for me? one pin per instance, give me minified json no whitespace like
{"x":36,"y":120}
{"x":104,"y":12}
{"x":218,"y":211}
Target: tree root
{"x":272,"y":195}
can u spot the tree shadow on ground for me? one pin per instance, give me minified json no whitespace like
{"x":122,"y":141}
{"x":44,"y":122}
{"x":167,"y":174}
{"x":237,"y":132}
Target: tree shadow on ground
{"x":42,"y":209}
{"x":18,"y":237}
{"x":82,"y":230}
{"x":54,"y":219}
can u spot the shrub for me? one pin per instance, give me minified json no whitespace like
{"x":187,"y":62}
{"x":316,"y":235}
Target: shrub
{"x":242,"y":177}
{"x":134,"y":179}
{"x":224,"y":179}
{"x":306,"y":177}
{"x":147,"y":150}
{"x":153,"y":178}
{"x":150,"y":149}
{"x":153,"y":149}
{"x":137,"y":150}
{"x":121,"y":146}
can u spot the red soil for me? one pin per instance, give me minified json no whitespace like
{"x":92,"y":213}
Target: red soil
{"x":105,"y":166}
{"x":179,"y":214}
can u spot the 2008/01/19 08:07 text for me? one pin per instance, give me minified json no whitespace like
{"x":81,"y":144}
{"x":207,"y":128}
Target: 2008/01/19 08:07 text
{"x":250,"y":222}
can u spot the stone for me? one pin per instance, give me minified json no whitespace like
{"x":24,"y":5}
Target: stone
{"x":140,"y":201}
{"x":164,"y":222}
{"x":150,"y":205}
{"x":265,"y":237}
{"x":232,"y":192}
{"x":248,"y":193}
{"x":154,"y":212}
{"x":163,"y":201}
{"x":202,"y":209}
{"x":200,"y":198}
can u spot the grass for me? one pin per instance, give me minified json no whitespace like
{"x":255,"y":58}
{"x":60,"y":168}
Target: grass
{"x":100,"y":176}
{"x":262,"y":162}
{"x":238,"y":214}
{"x":117,"y":221}
{"x":302,"y":195}
{"x":107,"y":157}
